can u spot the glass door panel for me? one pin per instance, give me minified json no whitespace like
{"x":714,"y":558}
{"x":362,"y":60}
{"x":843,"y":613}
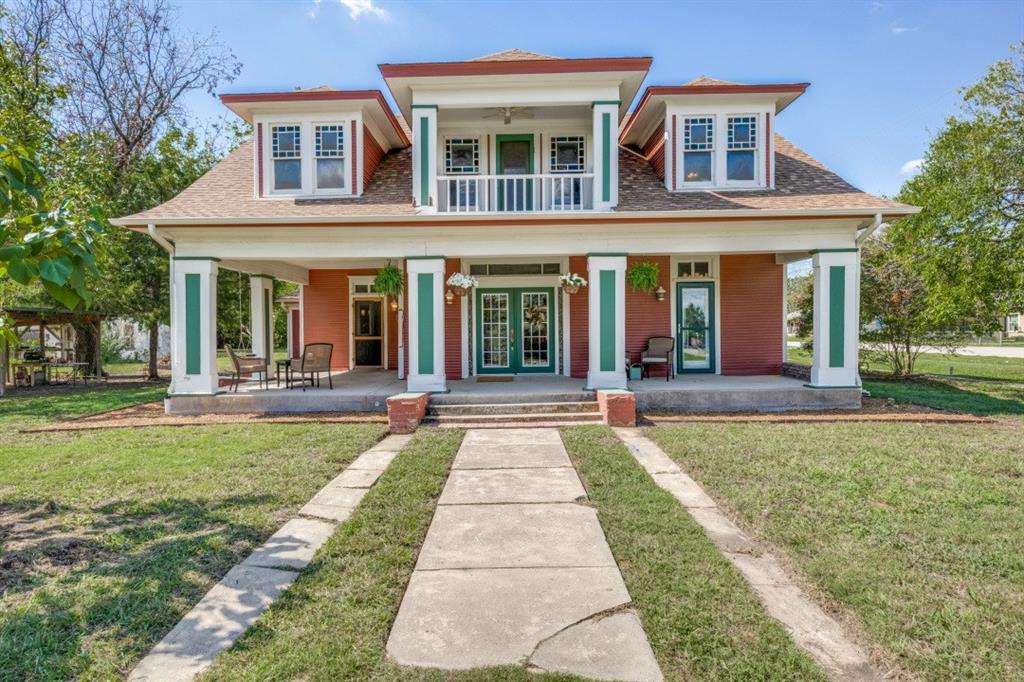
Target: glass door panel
{"x":368,"y":333}
{"x":495,"y":331}
{"x":695,"y":327}
{"x":535,"y":325}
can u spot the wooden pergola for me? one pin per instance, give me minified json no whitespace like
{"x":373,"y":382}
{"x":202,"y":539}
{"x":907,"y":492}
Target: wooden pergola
{"x":68,"y":324}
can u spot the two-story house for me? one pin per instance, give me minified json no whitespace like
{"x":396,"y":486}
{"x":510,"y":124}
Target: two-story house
{"x":516,"y":168}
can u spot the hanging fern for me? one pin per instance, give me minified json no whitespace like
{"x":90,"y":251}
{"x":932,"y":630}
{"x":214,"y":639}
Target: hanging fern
{"x":644,"y":276}
{"x":389,"y":280}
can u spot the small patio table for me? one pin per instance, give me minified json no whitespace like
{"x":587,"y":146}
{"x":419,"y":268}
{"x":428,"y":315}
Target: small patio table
{"x":286,"y":365}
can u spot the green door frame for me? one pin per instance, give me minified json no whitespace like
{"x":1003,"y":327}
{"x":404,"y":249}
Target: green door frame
{"x":680,"y":329}
{"x":498,"y":170}
{"x":515,"y":315}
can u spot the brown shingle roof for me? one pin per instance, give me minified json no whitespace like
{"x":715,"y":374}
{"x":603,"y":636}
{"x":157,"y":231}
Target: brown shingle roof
{"x":709,"y":81}
{"x":513,"y":55}
{"x":801,"y":182}
{"x":226,"y":192}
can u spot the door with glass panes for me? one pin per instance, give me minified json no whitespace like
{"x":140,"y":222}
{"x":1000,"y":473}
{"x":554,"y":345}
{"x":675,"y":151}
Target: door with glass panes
{"x":515,"y":330}
{"x":695,"y":326}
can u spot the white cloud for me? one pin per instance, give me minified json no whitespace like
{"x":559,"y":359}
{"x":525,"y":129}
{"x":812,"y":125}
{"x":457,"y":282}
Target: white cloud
{"x":875,"y":7}
{"x":912,"y":166}
{"x":360,"y":7}
{"x":899,"y":29}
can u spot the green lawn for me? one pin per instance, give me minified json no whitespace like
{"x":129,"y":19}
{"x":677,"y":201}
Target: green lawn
{"x":701,"y":618}
{"x":967,"y":366}
{"x":22,"y":408}
{"x":977,"y":397}
{"x":137,"y":368}
{"x":110,"y":536}
{"x":914,"y":529}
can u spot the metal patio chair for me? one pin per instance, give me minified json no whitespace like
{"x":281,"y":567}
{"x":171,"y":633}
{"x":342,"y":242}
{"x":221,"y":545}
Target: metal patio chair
{"x":316,"y":359}
{"x":250,"y":364}
{"x":658,"y":352}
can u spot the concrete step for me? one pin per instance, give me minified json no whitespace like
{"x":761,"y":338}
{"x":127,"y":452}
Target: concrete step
{"x":503,"y":425}
{"x":434,"y":409}
{"x":508,"y":394}
{"x":533,"y":418}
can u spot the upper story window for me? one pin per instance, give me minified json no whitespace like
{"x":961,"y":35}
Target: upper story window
{"x":461,"y":156}
{"x":286,"y":152}
{"x":741,"y":152}
{"x":567,"y":154}
{"x":330,"y":156}
{"x":698,"y":148}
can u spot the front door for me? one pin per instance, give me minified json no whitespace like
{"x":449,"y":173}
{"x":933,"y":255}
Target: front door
{"x":514,"y":157}
{"x":515,"y":330}
{"x":368,"y":332}
{"x":695,"y":326}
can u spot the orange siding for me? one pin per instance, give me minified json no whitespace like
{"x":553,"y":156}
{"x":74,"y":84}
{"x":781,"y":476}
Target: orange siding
{"x":646,"y":316}
{"x":452,"y":326}
{"x":751,"y":303}
{"x":372,"y":155}
{"x":579,"y":322}
{"x":325,"y":313}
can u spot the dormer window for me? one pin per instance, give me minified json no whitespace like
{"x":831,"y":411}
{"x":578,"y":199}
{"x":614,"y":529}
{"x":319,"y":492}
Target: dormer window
{"x":330,"y":156}
{"x":286,"y":151}
{"x":741,"y":153}
{"x":698,"y":149}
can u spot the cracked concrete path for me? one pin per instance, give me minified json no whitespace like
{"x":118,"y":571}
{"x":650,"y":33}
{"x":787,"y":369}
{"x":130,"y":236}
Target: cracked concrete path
{"x":811,"y":628}
{"x":514,"y":570}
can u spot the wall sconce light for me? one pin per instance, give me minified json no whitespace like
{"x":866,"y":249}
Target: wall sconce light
{"x":449,"y":297}
{"x":659,"y":293}
{"x":394,"y":304}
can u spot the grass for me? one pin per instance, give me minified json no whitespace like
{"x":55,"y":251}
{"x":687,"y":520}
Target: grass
{"x":964,"y":366}
{"x":138,"y":367}
{"x":22,"y":408}
{"x":702,"y":620}
{"x":333,"y":624}
{"x":976,"y":397}
{"x":109,"y":537}
{"x":913,"y":529}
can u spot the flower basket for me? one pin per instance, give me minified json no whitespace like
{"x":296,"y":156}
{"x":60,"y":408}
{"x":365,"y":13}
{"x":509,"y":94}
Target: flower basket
{"x":570,"y":288}
{"x":460,"y":283}
{"x":571,"y":282}
{"x":460,"y":291}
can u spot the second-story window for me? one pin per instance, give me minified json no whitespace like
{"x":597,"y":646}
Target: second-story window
{"x":698,"y":148}
{"x":462,"y":157}
{"x":741,"y":148}
{"x":330,"y":156}
{"x":286,"y":152}
{"x":567,"y":154}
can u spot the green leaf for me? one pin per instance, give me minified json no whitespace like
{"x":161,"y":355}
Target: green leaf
{"x":56,"y":270}
{"x":13,"y":252}
{"x":63,"y":295}
{"x":22,"y":271}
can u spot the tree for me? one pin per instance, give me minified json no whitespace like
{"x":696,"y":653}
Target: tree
{"x":967,"y":243}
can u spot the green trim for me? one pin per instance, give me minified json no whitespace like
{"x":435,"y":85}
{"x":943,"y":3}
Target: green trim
{"x":498,"y":169}
{"x":608,"y":254}
{"x":268,"y":333}
{"x":425,"y":106}
{"x":826,"y":388}
{"x":425,"y":144}
{"x":834,"y":251}
{"x":709,"y":330}
{"x":216,"y":260}
{"x":606,"y":321}
{"x":193,"y":325}
{"x":616,"y":102}
{"x":425,"y":321}
{"x":424,"y":257}
{"x":836,"y":315}
{"x":515,"y":317}
{"x":606,"y":155}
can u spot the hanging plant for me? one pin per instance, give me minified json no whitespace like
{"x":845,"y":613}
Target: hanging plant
{"x":389,"y":280}
{"x":644,"y":276}
{"x":461,"y":283}
{"x":571,"y":282}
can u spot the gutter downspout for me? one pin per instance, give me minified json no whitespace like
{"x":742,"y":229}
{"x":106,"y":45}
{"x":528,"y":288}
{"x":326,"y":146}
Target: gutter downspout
{"x":868,"y":231}
{"x":168,"y":246}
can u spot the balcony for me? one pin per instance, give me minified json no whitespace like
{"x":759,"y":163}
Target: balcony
{"x":552,"y":192}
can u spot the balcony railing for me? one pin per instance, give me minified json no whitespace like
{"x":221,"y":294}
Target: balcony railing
{"x":516,"y":193}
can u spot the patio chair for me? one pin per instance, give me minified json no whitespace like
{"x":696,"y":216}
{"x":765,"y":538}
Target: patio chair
{"x":316,"y":359}
{"x":658,"y":352}
{"x":247,"y":364}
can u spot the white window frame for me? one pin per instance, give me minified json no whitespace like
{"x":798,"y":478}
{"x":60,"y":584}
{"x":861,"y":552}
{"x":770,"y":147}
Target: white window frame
{"x":758,"y":153}
{"x":307,"y":130}
{"x":272,"y":169}
{"x":346,"y":157}
{"x":549,"y":166}
{"x":715,"y":146}
{"x":462,"y":139}
{"x":719,"y":176}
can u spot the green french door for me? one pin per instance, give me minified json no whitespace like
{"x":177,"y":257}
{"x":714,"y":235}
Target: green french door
{"x":514,"y":157}
{"x":695,"y":326}
{"x":515,"y":330}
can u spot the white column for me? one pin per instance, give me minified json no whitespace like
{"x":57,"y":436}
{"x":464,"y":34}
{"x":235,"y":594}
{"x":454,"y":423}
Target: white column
{"x":261,"y":317}
{"x":606,"y":289}
{"x":424,"y":156}
{"x":606,"y":155}
{"x":426,"y":324}
{"x":194,"y":326}
{"x":836,"y":319}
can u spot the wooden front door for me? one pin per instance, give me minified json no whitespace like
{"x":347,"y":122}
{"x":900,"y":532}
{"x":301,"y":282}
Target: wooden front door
{"x":514,"y":157}
{"x":368,"y":332}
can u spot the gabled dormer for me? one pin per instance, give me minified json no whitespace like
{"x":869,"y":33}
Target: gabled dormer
{"x":317,"y":142}
{"x":710,"y":134}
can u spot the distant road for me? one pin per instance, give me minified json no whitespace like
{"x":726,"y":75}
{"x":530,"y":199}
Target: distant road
{"x":989,"y":351}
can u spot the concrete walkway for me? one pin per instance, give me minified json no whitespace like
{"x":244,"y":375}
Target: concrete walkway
{"x":811,"y":628}
{"x":233,"y":605}
{"x":515,"y":570}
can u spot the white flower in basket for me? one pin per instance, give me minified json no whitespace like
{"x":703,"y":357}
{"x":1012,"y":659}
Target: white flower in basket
{"x":571,"y":282}
{"x":461,"y":282}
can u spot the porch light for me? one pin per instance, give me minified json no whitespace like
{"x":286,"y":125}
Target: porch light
{"x":449,"y":297}
{"x":659,"y":293}
{"x":394,"y":304}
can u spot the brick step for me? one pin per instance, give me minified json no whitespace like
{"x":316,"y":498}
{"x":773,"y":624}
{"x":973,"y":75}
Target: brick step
{"x":475,"y":420}
{"x":434,"y":409}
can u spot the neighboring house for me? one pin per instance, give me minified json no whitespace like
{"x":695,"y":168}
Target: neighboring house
{"x":1012,"y":324}
{"x":514,"y":168}
{"x":132,"y":339}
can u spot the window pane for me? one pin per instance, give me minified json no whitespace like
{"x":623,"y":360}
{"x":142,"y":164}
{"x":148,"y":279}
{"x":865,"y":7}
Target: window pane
{"x":684,"y":270}
{"x":701,"y":268}
{"x":462,"y":156}
{"x":478,"y":269}
{"x":330,"y":141}
{"x":742,"y":132}
{"x":285,"y":142}
{"x":330,"y":173}
{"x":567,"y":154}
{"x":740,"y":165}
{"x":697,"y":167}
{"x":287,"y":174}
{"x":698,"y":133}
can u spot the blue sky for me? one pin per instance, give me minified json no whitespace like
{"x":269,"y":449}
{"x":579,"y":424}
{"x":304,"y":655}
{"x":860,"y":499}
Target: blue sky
{"x":884,"y":75}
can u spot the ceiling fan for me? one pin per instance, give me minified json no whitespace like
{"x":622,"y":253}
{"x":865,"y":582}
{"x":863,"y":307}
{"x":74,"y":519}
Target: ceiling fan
{"x":508,"y":113}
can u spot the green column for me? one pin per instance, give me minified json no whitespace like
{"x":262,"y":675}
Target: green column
{"x":836,"y":315}
{"x":424,"y":160}
{"x":607,"y":319}
{"x":425,"y":323}
{"x":193,"y":333}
